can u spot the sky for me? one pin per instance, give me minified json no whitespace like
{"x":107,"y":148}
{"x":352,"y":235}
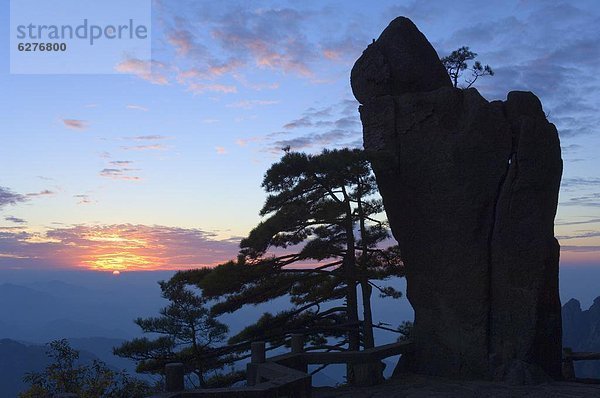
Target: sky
{"x":158,"y":165}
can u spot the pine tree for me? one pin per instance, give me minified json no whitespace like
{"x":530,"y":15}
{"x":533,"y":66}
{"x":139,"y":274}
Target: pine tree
{"x":188,"y":334}
{"x":456,"y":64}
{"x":319,"y":240}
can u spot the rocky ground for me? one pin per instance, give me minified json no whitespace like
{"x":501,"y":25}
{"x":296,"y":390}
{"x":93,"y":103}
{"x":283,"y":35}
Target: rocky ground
{"x":416,"y":386}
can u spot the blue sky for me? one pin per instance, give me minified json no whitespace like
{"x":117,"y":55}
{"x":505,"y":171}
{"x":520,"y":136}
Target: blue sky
{"x":139,"y":170}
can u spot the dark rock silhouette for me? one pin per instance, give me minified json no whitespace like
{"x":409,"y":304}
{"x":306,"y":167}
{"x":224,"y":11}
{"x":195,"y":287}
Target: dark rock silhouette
{"x":581,"y":333}
{"x":400,"y":61}
{"x":470,"y":188}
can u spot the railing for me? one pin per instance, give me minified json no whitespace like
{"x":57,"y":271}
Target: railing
{"x":286,"y":375}
{"x":568,"y":369}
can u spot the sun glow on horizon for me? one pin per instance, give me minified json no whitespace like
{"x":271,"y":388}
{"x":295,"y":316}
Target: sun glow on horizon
{"x":129,"y":247}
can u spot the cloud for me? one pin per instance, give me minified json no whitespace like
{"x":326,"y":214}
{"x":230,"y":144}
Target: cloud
{"x":154,"y":137}
{"x":587,"y":200}
{"x":45,"y":192}
{"x":589,"y":221}
{"x":118,"y":170}
{"x":270,"y":38}
{"x":240,"y":37}
{"x":119,"y":174}
{"x":345,"y":49}
{"x":83,"y":199}
{"x":137,"y":107}
{"x":312,"y":117}
{"x":15,"y":220}
{"x":120,"y":163}
{"x":255,"y":86}
{"x":336,"y":125}
{"x":184,"y":41}
{"x":154,"y":147}
{"x":152,"y":71}
{"x":348,"y":122}
{"x":304,"y":121}
{"x":580,"y":249}
{"x":210,"y":46}
{"x":245,"y":141}
{"x":331,"y":138}
{"x":8,"y":197}
{"x":75,"y":124}
{"x":580,"y":182}
{"x":199,"y":88}
{"x":587,"y":234}
{"x":247,"y":104}
{"x":548,"y":48}
{"x":115,"y":247}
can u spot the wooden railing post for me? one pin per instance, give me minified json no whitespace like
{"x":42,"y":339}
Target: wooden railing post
{"x":297,"y":343}
{"x":174,"y":377}
{"x":257,"y":356}
{"x":568,"y":369}
{"x":258,"y":352}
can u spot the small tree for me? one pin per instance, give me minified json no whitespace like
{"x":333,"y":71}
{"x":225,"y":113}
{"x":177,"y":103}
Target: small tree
{"x":96,"y":380}
{"x":456,"y":65}
{"x":188,"y":333}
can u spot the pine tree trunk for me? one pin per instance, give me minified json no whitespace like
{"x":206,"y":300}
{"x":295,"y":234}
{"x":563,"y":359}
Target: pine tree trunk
{"x":369,"y":340}
{"x":349,"y":264}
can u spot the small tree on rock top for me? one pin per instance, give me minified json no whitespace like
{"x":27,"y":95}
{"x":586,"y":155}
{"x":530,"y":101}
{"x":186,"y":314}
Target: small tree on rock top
{"x":456,"y":65}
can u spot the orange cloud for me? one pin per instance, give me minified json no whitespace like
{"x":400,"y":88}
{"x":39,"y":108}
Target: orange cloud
{"x":115,"y":247}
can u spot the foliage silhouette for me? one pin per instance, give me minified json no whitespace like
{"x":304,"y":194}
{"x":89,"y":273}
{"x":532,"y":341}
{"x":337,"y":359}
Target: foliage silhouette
{"x":456,"y":64}
{"x":97,"y":380}
{"x":188,"y":333}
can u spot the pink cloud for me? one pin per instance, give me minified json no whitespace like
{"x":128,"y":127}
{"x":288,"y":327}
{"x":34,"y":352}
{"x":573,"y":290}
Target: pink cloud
{"x":345,"y":49}
{"x":198,"y":88}
{"x":247,"y":104}
{"x":245,"y":141}
{"x":152,"y":137}
{"x":182,"y":40}
{"x":332,"y":54}
{"x":75,"y":124}
{"x":155,"y":147}
{"x":152,"y":71}
{"x":119,"y":174}
{"x":255,"y":86}
{"x":137,"y":107}
{"x":272,"y":38}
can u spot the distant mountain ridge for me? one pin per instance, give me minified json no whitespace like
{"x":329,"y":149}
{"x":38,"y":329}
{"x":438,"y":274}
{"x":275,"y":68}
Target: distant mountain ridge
{"x":581,"y":332}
